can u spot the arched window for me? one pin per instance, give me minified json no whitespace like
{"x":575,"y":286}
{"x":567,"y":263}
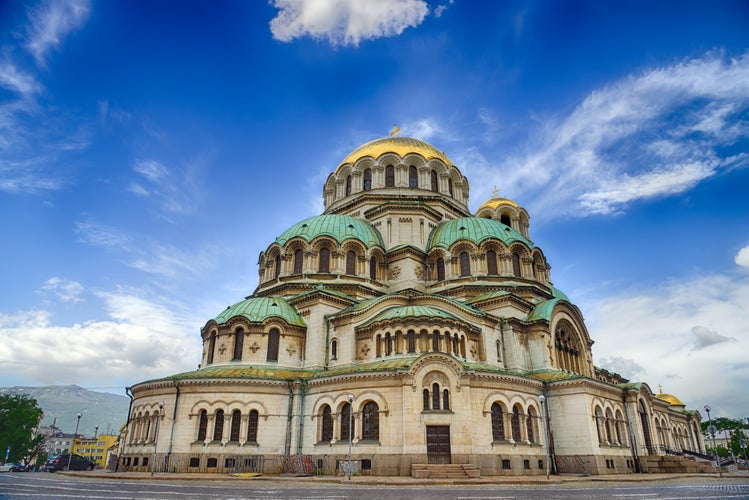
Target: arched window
{"x":516,"y":265}
{"x":456,"y":349}
{"x":426,"y":399}
{"x":370,"y":421}
{"x":252,"y":427}
{"x":529,"y":426}
{"x":411,"y":341}
{"x":274,"y":337}
{"x":345,"y":421}
{"x":238,"y":344}
{"x":147,"y":435}
{"x":436,"y":341}
{"x":450,"y":186}
{"x":324,"y":260}
{"x":599,"y":418}
{"x":536,"y":265}
{"x":445,"y":399}
{"x":569,"y":350}
{"x":388,"y":344}
{"x":389,"y":176}
{"x":440,"y":269}
{"x":413,"y":177}
{"x":348,"y":185}
{"x":298,"y":261}
{"x":373,"y":268}
{"x":327,"y":424}
{"x":515,"y":423}
{"x":334,"y":349}
{"x":434,"y":182}
{"x":236,"y":423}
{"x":505,"y":219}
{"x":465,"y":264}
{"x":202,"y":425}
{"x":435,"y":396}
{"x":491,"y":263}
{"x":218,"y":426}
{"x":211,"y":347}
{"x":277,"y":264}
{"x":367,"y":184}
{"x":350,"y":263}
{"x":608,"y":422}
{"x":617,"y":425}
{"x":498,"y":423}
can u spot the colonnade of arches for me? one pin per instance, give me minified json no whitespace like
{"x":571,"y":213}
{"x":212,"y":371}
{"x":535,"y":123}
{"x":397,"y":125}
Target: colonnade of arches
{"x":514,"y":217}
{"x":390,"y":171}
{"x":243,"y":345}
{"x":569,"y":349}
{"x":336,"y":424}
{"x":322,"y":256}
{"x":143,"y":426}
{"x":611,"y":426}
{"x":412,"y":342}
{"x":490,"y":259}
{"x":518,"y":424}
{"x":222,"y":427}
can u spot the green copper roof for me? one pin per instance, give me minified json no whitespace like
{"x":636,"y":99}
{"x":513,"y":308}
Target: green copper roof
{"x":338,"y":227}
{"x":544,"y":309}
{"x":488,"y":296}
{"x":403,"y":312}
{"x":475,"y":229}
{"x":258,"y":309}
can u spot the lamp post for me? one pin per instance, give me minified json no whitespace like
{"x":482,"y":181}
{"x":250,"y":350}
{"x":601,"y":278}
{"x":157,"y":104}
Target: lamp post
{"x":350,"y":433}
{"x":77,"y":422}
{"x":156,"y":435}
{"x":711,"y":428}
{"x":542,"y":400}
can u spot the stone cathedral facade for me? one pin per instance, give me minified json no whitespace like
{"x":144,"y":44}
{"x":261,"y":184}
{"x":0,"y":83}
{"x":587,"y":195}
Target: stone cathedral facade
{"x":402,"y":325}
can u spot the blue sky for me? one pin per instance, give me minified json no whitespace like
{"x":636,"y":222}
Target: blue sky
{"x":150,"y":150}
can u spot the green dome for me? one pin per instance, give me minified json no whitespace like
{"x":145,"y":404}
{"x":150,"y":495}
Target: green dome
{"x":404,"y":312}
{"x":475,"y":229}
{"x":259,"y":309}
{"x":338,"y":227}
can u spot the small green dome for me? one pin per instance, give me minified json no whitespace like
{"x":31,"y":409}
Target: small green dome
{"x":475,"y":229}
{"x":258,"y":309}
{"x":338,"y":227}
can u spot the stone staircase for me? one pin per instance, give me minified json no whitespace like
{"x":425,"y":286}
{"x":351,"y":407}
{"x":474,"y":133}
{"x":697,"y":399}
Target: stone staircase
{"x":444,"y":471}
{"x":676,"y":464}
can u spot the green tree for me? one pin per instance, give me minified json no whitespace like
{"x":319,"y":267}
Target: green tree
{"x":19,"y":418}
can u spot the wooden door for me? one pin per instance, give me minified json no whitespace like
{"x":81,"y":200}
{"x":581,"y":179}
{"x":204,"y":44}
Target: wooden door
{"x":438,"y":444}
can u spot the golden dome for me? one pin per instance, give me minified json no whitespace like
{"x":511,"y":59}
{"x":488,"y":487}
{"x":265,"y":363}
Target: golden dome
{"x":669,"y":398}
{"x":398,"y":145}
{"x":496,"y":202}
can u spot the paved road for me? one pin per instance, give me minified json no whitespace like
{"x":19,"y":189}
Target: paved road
{"x":53,"y":486}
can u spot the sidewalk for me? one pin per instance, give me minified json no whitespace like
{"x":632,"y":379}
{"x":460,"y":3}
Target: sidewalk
{"x":400,"y":480}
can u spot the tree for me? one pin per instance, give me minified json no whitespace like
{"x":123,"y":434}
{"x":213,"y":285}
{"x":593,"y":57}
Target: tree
{"x":19,"y":418}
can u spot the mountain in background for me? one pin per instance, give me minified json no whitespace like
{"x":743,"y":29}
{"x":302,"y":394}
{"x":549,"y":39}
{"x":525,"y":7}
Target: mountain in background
{"x":61,"y":404}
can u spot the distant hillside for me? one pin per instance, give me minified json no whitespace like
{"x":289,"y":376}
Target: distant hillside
{"x":61,"y":404}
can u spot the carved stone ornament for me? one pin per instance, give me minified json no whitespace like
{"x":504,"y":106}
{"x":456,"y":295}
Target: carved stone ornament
{"x":395,"y":271}
{"x":254,"y":347}
{"x":418,"y":271}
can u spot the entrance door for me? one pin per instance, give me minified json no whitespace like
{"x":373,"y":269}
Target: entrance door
{"x":438,"y":444}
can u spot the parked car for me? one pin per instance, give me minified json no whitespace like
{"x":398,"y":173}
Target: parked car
{"x":12,"y":467}
{"x":60,"y":462}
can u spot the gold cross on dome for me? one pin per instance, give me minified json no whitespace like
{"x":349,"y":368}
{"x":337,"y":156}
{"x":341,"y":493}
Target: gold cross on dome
{"x":495,"y":193}
{"x":394,"y":132}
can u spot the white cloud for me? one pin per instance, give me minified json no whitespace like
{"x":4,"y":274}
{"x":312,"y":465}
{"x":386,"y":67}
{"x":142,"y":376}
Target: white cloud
{"x":653,"y":134}
{"x":151,"y":170}
{"x":742,"y":258}
{"x":345,"y":22}
{"x":174,"y":190}
{"x":50,"y":22}
{"x":626,"y":367}
{"x":142,"y":339}
{"x":63,"y":289}
{"x":662,"y":330}
{"x":17,"y":80}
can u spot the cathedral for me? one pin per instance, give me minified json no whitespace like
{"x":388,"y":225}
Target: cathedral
{"x":399,"y":329}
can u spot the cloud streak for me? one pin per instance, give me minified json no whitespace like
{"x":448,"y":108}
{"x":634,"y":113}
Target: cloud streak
{"x":343,"y":22}
{"x":653,"y":134}
{"x":50,"y":22}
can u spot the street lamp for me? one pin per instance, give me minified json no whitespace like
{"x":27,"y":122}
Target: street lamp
{"x":712,"y":429}
{"x":350,"y":433}
{"x":70,"y":454}
{"x":542,"y":400}
{"x":156,"y":435}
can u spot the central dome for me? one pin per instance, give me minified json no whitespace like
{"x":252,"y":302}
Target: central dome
{"x":398,"y":145}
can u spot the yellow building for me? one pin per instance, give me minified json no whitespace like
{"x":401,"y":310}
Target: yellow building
{"x":95,"y":449}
